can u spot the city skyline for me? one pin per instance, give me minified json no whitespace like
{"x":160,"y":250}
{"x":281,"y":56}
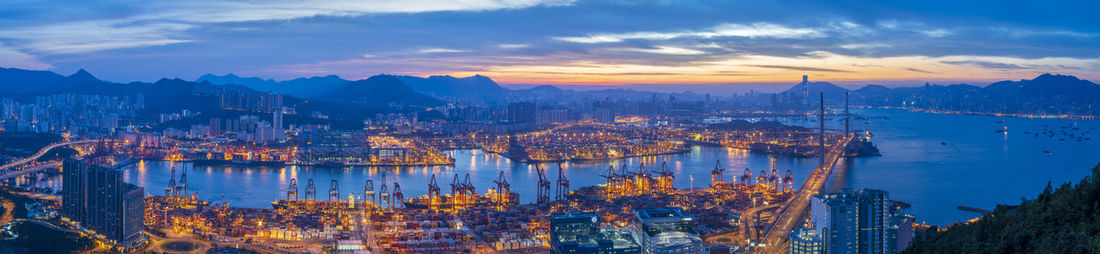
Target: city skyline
{"x":559,"y":42}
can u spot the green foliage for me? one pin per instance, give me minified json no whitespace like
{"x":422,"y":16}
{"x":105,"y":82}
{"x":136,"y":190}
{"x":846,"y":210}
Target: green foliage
{"x":1062,"y":220}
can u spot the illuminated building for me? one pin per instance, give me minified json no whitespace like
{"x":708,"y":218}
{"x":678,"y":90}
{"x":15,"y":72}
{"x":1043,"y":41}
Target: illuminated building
{"x":805,"y":241}
{"x":859,"y":221}
{"x":95,"y":198}
{"x":581,"y":233}
{"x":666,"y":230}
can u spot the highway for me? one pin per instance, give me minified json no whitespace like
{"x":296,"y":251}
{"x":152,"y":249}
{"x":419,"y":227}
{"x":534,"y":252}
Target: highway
{"x":790,"y":217}
{"x":42,"y":152}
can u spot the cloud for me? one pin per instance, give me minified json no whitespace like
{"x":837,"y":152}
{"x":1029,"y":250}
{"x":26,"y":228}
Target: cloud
{"x":14,"y":59}
{"x":164,"y":22}
{"x":87,"y":36}
{"x":513,"y":46}
{"x":985,"y":64}
{"x":754,"y":30}
{"x":936,"y":33}
{"x":918,"y":70}
{"x":667,"y":50}
{"x":796,"y":68}
{"x":441,"y":50}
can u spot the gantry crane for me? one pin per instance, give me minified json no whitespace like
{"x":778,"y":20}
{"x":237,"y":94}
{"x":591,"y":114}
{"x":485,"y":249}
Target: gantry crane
{"x":398,"y":197}
{"x":311,"y":191}
{"x":333,"y":191}
{"x":716,"y":175}
{"x":434,"y":198}
{"x":368,"y":192}
{"x":292,"y":190}
{"x":563,"y":185}
{"x":543,"y":193}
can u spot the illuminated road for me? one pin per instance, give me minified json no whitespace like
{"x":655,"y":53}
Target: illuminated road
{"x":36,"y":168}
{"x":42,"y":152}
{"x":748,"y":227}
{"x":790,"y":217}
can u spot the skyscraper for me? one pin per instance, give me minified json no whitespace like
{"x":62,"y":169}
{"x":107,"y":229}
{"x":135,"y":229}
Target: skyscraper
{"x":94,"y":197}
{"x":859,"y":221}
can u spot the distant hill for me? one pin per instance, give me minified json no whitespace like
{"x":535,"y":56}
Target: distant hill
{"x":446,"y":87}
{"x":299,"y":87}
{"x":816,"y":88}
{"x":1046,"y":94}
{"x":1057,"y":221}
{"x":380,"y":90}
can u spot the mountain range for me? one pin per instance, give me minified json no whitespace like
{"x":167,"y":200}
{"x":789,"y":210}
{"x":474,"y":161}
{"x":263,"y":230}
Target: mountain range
{"x":1045,"y":94}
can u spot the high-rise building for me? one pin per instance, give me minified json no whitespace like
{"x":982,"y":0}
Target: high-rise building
{"x":581,"y":233}
{"x":666,"y":230}
{"x":859,"y":221}
{"x":95,"y":198}
{"x":521,"y":112}
{"x":805,"y":241}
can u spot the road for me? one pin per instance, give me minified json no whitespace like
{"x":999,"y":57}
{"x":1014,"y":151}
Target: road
{"x":42,"y":152}
{"x":748,"y":221}
{"x":36,"y":168}
{"x":790,"y":217}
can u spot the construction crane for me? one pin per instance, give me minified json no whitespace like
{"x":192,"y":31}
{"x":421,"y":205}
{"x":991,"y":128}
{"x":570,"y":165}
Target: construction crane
{"x":333,"y":191}
{"x":311,"y":191}
{"x":543,"y":194}
{"x":292,"y":190}
{"x":563,"y":185}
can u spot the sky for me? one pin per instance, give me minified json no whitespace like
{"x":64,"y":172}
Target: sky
{"x":566,"y":42}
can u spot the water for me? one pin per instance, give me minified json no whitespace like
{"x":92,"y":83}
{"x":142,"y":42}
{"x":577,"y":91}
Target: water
{"x":977,"y":167}
{"x":257,"y":187}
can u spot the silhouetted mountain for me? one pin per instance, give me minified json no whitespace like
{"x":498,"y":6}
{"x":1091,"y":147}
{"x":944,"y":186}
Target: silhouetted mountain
{"x":829,"y":89}
{"x":300,"y":87}
{"x":473,"y":87}
{"x":1046,"y":94}
{"x":380,"y":90}
{"x":22,"y":84}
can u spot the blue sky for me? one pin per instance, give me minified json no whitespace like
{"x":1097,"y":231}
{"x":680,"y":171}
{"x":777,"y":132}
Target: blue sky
{"x":559,"y":41}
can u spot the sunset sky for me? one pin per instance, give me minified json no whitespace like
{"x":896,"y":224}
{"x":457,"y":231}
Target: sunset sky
{"x":559,"y":41}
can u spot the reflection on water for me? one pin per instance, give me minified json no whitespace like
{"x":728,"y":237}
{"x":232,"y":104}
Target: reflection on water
{"x":256,"y":186}
{"x":939,"y":162}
